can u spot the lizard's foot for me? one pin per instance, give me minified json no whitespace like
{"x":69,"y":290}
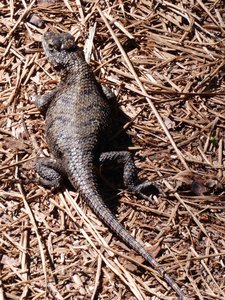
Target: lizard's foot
{"x":41,"y":102}
{"x":49,"y":173}
{"x":146,"y":190}
{"x":108,"y":92}
{"x":38,"y":100}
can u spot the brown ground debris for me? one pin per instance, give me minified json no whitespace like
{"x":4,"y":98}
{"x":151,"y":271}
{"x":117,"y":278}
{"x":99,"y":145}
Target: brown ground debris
{"x":165,"y":60}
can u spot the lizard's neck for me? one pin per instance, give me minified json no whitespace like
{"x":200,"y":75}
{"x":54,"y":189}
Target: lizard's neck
{"x":76,"y":73}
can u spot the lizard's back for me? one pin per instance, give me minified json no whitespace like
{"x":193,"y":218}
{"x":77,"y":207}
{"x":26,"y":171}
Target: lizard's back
{"x":77,"y":118}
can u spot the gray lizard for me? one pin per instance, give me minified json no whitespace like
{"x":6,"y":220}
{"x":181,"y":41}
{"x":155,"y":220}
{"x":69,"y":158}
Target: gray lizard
{"x":79,"y":121}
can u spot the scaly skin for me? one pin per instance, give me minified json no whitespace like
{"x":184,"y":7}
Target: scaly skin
{"x":78,"y":119}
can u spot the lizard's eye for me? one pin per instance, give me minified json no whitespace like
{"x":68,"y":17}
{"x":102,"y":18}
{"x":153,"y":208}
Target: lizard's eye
{"x":54,"y":45}
{"x":68,"y":44}
{"x":50,"y":46}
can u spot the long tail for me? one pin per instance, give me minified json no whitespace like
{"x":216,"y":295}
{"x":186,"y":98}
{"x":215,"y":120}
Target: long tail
{"x":94,"y":200}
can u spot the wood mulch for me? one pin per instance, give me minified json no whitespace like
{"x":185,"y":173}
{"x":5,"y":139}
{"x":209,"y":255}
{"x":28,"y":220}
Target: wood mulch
{"x":165,"y":61}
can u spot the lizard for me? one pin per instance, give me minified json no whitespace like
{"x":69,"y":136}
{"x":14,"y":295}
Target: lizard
{"x":79,"y":120}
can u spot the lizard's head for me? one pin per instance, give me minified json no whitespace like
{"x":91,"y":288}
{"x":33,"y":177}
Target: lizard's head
{"x":61,"y":50}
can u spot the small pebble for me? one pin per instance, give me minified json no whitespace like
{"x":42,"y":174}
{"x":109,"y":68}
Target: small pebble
{"x":36,"y":21}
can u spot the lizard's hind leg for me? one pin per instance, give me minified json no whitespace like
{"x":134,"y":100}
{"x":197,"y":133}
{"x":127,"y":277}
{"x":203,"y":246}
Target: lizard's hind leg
{"x":49,"y":172}
{"x":130,"y":179}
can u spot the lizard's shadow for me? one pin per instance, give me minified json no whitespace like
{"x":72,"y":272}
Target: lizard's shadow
{"x":110,"y":177}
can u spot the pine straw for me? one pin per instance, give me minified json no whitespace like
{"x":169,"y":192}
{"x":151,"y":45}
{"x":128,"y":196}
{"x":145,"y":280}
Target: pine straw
{"x":165,"y":60}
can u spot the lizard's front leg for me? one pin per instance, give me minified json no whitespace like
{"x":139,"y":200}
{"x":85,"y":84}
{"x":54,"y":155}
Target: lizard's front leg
{"x":42,"y":102}
{"x":131,"y":181}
